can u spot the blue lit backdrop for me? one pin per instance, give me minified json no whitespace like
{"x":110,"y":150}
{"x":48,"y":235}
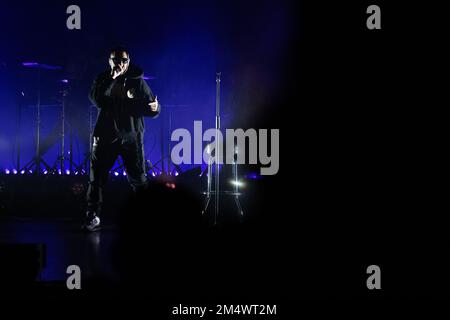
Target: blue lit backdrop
{"x":179,"y":44}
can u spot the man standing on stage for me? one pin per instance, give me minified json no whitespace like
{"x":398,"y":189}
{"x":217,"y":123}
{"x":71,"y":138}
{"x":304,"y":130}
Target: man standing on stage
{"x":123,"y":99}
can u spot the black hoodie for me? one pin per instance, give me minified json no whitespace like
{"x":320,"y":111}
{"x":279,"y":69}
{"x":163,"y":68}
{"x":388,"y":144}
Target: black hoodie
{"x":120,"y":116}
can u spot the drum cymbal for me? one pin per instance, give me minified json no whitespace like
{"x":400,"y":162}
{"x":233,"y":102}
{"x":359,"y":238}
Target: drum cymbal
{"x":37,"y":65}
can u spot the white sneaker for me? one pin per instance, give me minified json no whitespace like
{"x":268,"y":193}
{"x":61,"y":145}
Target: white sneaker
{"x":92,"y":224}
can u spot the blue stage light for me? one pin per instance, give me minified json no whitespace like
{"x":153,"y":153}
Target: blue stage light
{"x":253,"y":176}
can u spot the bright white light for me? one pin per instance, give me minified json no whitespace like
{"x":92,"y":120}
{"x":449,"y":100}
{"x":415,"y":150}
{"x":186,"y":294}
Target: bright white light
{"x":116,"y":173}
{"x":7,"y":171}
{"x":124,"y":173}
{"x":45,"y":171}
{"x":22,"y":172}
{"x":59,"y":171}
{"x":14,"y":171}
{"x":67,"y":172}
{"x":176,"y":173}
{"x":154,"y":174}
{"x":237,"y":183}
{"x":209,"y":149}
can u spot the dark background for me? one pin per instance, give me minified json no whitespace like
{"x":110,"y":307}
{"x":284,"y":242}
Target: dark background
{"x":370,"y":178}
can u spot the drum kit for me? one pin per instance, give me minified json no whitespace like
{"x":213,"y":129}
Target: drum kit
{"x":37,"y":164}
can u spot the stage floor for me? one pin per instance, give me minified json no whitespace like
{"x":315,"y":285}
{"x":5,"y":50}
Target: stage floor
{"x":65,"y":244}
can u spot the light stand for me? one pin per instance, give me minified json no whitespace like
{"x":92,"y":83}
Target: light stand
{"x":209,"y":192}
{"x":19,"y":126}
{"x":63,"y":115}
{"x":217,"y":176}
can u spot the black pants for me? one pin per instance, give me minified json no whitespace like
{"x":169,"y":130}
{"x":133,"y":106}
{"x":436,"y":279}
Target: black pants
{"x":103,"y":157}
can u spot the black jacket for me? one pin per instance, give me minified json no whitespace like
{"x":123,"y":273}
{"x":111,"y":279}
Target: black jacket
{"x":120,"y":116}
